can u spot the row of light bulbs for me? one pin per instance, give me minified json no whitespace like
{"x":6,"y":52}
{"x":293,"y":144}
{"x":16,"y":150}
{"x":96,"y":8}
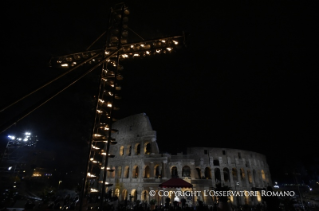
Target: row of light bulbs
{"x":105,"y":103}
{"x":158,"y":44}
{"x":125,"y":56}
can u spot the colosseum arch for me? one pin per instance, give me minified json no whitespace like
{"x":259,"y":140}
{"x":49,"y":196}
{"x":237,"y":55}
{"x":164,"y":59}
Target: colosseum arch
{"x":147,"y":148}
{"x":235,"y":176}
{"x":144,"y":195}
{"x":217,"y":175}
{"x":121,"y":151}
{"x":216,"y":162}
{"x":108,"y":174}
{"x":174,"y":172}
{"x":186,"y":171}
{"x":208,"y":173}
{"x":159,"y":197}
{"x":157,"y":172}
{"x":117,"y":193}
{"x":246,"y":197}
{"x":226,"y":175}
{"x":259,"y":196}
{"x":129,"y":150}
{"x":124,"y":194}
{"x":137,"y":149}
{"x":147,"y":172}
{"x":263,"y":175}
{"x":111,"y":174}
{"x":250,"y":178}
{"x":255,"y":177}
{"x":119,"y":172}
{"x":134,"y":194}
{"x":198,"y":173}
{"x":242,"y":174}
{"x":127,"y":172}
{"x":135,"y":172}
{"x":171,"y":195}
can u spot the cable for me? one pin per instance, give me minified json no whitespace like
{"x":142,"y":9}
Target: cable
{"x":60,"y":76}
{"x":96,"y":40}
{"x":136,"y":33}
{"x":28,"y":113}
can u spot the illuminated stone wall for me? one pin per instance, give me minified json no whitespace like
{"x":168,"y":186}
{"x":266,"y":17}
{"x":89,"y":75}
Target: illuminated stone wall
{"x":139,"y":168}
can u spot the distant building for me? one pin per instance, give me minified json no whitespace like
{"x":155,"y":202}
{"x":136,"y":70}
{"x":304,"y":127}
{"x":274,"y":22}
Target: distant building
{"x":23,"y":161}
{"x":15,"y":158}
{"x":139,"y":167}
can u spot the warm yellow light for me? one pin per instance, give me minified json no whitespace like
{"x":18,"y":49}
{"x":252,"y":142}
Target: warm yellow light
{"x":142,"y":45}
{"x":64,"y":65}
{"x":169,"y":49}
{"x":258,"y":196}
{"x":102,"y":167}
{"x":101,"y":101}
{"x":107,"y":52}
{"x":74,"y":62}
{"x":132,"y":46}
{"x":136,"y":55}
{"x":95,"y":147}
{"x":91,"y":175}
{"x":97,"y":135}
{"x":109,"y":105}
{"x":59,"y":62}
{"x":125,"y":56}
{"x":175,"y":42}
{"x":94,"y":190}
{"x":163,"y":41}
{"x":110,"y":93}
{"x":103,"y":153}
{"x":158,"y":51}
{"x":93,"y":60}
{"x":147,"y":52}
{"x":106,"y":128}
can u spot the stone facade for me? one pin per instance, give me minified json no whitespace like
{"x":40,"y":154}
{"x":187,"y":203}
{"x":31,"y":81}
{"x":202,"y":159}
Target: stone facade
{"x":140,"y":168}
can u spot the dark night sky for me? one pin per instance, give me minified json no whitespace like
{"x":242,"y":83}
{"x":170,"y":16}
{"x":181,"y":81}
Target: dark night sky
{"x":245,"y":80}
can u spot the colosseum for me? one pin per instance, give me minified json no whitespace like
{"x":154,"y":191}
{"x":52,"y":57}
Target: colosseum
{"x":140,"y":167}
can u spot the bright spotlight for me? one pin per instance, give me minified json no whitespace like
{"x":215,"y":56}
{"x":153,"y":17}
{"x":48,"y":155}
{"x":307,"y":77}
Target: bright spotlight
{"x":11,"y":137}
